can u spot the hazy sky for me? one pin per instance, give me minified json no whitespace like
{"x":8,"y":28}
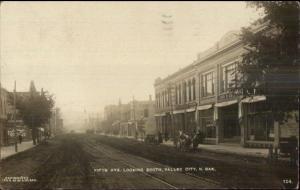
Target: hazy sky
{"x":90,"y":54}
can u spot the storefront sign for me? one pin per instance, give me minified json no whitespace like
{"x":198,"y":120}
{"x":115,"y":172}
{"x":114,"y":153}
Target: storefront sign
{"x":205,"y":107}
{"x":178,"y":111}
{"x":190,"y":110}
{"x":254,"y":99}
{"x":228,"y":103}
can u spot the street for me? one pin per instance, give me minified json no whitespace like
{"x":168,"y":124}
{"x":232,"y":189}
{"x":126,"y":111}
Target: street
{"x":81,"y":161}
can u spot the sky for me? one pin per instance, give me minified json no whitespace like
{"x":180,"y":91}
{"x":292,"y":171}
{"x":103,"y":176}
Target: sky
{"x":91,"y":54}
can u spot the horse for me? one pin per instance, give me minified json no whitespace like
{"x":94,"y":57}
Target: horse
{"x":185,"y":142}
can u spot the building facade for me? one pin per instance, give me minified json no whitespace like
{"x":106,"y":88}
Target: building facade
{"x":4,"y":109}
{"x":56,"y":125}
{"x":197,"y":97}
{"x":133,"y":119}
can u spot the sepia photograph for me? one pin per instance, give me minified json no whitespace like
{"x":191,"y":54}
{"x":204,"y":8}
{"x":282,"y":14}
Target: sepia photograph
{"x":149,"y":95}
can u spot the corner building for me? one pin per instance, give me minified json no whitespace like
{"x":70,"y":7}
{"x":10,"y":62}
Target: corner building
{"x":197,"y":97}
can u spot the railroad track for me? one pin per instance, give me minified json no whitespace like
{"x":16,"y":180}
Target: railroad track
{"x":108,"y":154}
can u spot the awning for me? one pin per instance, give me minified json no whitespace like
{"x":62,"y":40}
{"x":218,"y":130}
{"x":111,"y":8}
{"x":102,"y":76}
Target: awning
{"x":115,"y":123}
{"x":178,"y":111}
{"x":190,"y":110}
{"x":204,"y":107}
{"x":160,"y":114}
{"x":254,"y":99}
{"x":228,"y":103}
{"x":41,"y":129}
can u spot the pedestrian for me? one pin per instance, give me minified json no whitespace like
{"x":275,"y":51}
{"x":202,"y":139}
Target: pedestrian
{"x":20,"y":138}
{"x":159,"y":137}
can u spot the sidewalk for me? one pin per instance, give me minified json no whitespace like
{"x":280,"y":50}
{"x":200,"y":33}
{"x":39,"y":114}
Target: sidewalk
{"x":7,"y":151}
{"x":232,"y":149}
{"x":226,"y":148}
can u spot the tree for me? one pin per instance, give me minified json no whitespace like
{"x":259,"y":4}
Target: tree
{"x":35,"y":110}
{"x":270,"y":65}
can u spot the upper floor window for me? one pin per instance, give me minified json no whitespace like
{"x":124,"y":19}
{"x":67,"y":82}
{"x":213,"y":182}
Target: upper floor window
{"x":184,"y":92}
{"x":169,"y":97}
{"x":229,"y":75}
{"x":190,"y":91}
{"x":176,"y":94}
{"x":179,"y":94}
{"x":194,"y":89}
{"x":208,"y":83}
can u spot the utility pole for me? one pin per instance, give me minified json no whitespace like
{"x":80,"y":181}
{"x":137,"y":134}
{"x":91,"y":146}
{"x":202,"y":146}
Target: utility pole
{"x":15,"y":118}
{"x":1,"y":127}
{"x":1,"y":112}
{"x":134,"y":119}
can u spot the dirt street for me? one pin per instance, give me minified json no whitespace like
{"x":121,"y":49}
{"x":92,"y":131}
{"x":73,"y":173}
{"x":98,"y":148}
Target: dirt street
{"x":80,"y":161}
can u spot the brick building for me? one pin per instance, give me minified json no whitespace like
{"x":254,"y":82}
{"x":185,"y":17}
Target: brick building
{"x":197,"y":97}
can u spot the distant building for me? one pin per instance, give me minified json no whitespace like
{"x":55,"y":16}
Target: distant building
{"x":56,"y":125}
{"x":134,"y":119}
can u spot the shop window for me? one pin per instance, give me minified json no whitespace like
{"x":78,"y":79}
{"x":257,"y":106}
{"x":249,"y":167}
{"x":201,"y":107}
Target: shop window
{"x":207,"y":123}
{"x":209,"y":127}
{"x":260,"y":127}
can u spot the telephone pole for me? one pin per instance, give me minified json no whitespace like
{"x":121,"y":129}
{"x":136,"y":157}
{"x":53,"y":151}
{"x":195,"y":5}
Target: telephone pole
{"x":15,"y":118}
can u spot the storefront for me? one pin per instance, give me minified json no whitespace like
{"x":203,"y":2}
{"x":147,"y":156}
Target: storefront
{"x":190,"y":121}
{"x":179,"y":120}
{"x":230,"y":131}
{"x":160,"y":122}
{"x":258,"y":121}
{"x":167,"y":126}
{"x":131,"y":129}
{"x":206,"y":121}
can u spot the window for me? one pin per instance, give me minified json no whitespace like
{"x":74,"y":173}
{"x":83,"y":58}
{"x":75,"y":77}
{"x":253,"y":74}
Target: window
{"x":208,"y":84}
{"x":163,"y":99}
{"x":166,"y":98}
{"x":169,"y":97}
{"x":176,"y":94}
{"x":228,"y":77}
{"x":207,"y":123}
{"x":194,"y":89}
{"x":184,"y":92}
{"x":190,"y":91}
{"x":146,"y":113}
{"x":179,"y":94}
{"x":160,"y":100}
{"x":156,"y":100}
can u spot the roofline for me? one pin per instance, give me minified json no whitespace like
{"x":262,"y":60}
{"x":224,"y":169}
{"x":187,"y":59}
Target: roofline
{"x":197,"y":62}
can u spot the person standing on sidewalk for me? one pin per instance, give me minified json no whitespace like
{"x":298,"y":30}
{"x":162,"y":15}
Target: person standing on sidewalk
{"x":20,"y":138}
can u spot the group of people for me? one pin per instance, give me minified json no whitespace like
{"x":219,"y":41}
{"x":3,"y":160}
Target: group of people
{"x":185,"y":142}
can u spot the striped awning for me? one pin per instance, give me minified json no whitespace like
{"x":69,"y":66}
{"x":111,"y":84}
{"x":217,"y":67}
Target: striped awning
{"x":204,"y":107}
{"x":228,"y":103}
{"x":254,"y":99}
